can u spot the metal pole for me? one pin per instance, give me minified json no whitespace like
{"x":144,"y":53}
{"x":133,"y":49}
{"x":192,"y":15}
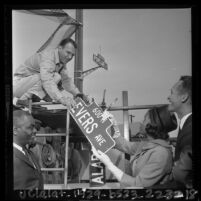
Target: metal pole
{"x":50,"y":134}
{"x":125,"y":115}
{"x":66,"y":150}
{"x":78,"y":80}
{"x":126,"y":123}
{"x":117,"y":108}
{"x":135,"y":107}
{"x":131,"y":116}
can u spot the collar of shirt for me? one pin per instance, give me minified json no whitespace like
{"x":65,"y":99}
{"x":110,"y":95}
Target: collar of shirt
{"x":59,"y":64}
{"x":184,"y":119}
{"x":56,"y":52}
{"x":18,"y":147}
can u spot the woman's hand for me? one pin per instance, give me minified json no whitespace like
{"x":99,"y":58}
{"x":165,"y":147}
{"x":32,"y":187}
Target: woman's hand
{"x":115,"y":128}
{"x":102,"y":156}
{"x":106,"y":160}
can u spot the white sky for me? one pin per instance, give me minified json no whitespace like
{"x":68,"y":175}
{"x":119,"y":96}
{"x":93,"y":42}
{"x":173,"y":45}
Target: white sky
{"x":147,"y":50}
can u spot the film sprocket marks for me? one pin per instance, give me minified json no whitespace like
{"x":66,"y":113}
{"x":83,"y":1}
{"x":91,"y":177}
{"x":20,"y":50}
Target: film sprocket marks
{"x":109,"y":194}
{"x":93,"y":124}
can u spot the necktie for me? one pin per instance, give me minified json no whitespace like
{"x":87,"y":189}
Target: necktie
{"x":29,"y":157}
{"x":177,"y":144}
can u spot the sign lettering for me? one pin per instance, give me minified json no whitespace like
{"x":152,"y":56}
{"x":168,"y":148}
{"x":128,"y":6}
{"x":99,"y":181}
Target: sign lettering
{"x":93,"y":124}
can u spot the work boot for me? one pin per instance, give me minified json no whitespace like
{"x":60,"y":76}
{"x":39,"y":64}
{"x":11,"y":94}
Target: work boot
{"x":24,"y":103}
{"x":35,"y":98}
{"x":47,"y":98}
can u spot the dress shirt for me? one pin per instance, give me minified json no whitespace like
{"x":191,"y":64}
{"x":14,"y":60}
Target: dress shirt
{"x":183,"y":119}
{"x":18,"y":147}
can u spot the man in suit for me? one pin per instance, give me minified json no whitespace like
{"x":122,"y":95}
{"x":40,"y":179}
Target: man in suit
{"x":181,"y":102}
{"x":27,"y":173}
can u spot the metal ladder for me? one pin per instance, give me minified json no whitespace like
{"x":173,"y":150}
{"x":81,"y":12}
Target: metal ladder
{"x":65,"y":169}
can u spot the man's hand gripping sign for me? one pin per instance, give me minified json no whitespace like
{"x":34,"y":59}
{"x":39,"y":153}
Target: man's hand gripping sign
{"x":94,"y":124}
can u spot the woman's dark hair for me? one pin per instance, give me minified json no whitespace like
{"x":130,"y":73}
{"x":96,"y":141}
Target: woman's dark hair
{"x":161,"y":122}
{"x":68,"y":40}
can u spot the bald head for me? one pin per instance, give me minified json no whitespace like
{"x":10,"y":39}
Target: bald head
{"x":24,"y":130}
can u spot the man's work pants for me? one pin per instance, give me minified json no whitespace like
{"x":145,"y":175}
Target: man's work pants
{"x":24,"y":87}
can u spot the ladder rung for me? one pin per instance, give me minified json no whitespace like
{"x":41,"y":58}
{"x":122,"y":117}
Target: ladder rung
{"x":45,"y":103}
{"x":52,"y":169}
{"x":50,"y":134}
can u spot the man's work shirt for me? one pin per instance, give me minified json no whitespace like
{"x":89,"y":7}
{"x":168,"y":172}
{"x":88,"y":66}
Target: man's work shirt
{"x":47,"y":64}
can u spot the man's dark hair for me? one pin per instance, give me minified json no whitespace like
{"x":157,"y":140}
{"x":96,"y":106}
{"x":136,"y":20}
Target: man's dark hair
{"x":187,"y":85}
{"x":68,"y":40}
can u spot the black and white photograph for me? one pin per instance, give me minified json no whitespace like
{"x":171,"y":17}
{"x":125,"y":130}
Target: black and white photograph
{"x":101,"y":103}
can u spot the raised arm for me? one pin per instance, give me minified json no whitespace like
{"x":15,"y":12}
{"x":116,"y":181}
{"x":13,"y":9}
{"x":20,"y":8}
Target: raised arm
{"x":47,"y":69}
{"x":122,"y":144}
{"x":67,"y":82}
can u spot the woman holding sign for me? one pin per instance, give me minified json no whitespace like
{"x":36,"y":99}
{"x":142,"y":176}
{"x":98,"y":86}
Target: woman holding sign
{"x":151,"y":160}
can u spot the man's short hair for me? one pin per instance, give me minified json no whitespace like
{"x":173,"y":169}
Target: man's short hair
{"x":18,"y":115}
{"x":186,"y":85}
{"x":68,"y":40}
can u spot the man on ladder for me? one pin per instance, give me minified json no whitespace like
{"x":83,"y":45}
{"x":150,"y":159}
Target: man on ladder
{"x":40,"y":75}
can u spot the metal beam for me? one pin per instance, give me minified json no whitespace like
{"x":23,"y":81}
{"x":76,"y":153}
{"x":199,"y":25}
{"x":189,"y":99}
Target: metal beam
{"x":66,"y":149}
{"x":117,"y":108}
{"x":125,"y":115}
{"x":126,"y":125}
{"x":134,"y":107}
{"x":79,"y":51}
{"x":52,"y":169}
{"x":49,"y":134}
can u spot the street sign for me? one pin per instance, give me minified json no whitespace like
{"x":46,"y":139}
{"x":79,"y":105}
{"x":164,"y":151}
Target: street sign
{"x":96,"y":172}
{"x":93,"y":124}
{"x":100,"y":61}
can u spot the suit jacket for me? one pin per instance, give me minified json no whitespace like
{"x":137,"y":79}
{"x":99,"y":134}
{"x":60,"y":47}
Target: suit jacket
{"x":184,"y":138}
{"x":182,"y":170}
{"x":26,"y":176}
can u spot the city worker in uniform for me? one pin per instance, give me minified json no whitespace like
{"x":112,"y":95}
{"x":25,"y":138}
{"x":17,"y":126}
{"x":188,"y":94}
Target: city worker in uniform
{"x":44,"y":76}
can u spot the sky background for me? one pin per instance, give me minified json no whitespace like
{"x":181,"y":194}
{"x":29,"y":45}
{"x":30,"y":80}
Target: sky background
{"x":146,"y":50}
